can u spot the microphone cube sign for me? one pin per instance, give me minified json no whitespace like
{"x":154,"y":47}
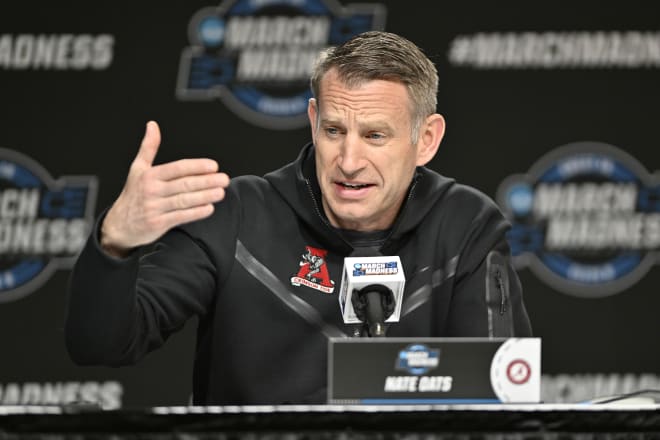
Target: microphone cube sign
{"x":360,"y":272}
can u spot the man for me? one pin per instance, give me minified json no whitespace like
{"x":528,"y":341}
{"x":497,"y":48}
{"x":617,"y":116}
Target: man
{"x":243,"y":257}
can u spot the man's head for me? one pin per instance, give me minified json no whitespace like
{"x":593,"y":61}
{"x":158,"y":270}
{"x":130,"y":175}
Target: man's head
{"x":373,"y":121}
{"x":386,"y":56}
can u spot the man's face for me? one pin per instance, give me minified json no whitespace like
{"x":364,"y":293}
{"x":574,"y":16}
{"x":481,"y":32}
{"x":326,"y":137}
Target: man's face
{"x":365,"y":159}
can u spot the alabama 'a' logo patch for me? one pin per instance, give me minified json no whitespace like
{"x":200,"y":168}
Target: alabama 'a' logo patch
{"x":313,"y":271}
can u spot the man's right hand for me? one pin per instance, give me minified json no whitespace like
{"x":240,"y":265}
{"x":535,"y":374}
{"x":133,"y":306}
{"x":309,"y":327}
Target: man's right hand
{"x":158,"y":198}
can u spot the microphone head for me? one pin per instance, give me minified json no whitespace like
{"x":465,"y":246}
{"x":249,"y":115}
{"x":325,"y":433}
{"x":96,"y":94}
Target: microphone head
{"x":385,"y":272}
{"x":373,"y":303}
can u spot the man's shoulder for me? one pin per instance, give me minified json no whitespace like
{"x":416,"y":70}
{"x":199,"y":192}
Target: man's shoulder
{"x":466,"y":194}
{"x":248,"y":180}
{"x":463,"y":216}
{"x":451,"y":193}
{"x":246,"y":185}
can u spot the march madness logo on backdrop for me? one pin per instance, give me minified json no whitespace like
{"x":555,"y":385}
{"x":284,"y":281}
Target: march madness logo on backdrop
{"x":313,"y":271}
{"x":257,"y":55}
{"x":44,"y":223}
{"x":586,"y":219}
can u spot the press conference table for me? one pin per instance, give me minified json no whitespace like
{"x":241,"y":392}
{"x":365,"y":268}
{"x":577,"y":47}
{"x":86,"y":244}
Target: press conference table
{"x":531,"y":421}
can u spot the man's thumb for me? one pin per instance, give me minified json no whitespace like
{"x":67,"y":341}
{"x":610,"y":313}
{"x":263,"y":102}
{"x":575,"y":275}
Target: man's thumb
{"x":150,"y":143}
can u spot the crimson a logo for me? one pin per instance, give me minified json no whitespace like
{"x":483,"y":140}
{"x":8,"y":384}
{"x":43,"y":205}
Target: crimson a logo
{"x":257,"y":55}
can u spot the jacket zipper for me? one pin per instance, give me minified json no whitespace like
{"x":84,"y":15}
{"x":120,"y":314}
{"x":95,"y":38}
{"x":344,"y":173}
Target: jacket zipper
{"x":403,"y":207}
{"x":318,"y":212}
{"x":500,"y":286}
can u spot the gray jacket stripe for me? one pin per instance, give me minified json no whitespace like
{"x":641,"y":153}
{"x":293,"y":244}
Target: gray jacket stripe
{"x":416,"y":299}
{"x":268,"y":279}
{"x":422,"y":295}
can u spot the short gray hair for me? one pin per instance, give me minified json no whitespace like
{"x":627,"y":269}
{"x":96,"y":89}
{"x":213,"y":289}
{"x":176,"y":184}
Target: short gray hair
{"x":386,"y":56}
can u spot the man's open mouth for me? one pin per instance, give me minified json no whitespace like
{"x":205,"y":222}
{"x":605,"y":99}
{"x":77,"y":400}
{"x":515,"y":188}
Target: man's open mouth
{"x":354,"y":185}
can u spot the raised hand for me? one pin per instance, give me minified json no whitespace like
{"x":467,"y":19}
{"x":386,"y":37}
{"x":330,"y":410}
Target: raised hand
{"x":157,"y":198}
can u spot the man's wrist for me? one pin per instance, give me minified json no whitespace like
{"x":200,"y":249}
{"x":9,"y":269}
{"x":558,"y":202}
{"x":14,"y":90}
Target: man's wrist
{"x":109,"y":246}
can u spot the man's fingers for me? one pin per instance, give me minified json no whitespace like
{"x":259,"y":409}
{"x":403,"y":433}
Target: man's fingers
{"x":193,"y":183}
{"x":150,"y":144}
{"x":183,"y":201}
{"x":185,"y":167}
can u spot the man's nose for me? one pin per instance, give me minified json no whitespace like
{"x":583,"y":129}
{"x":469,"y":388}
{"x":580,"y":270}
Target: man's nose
{"x":351,"y":159}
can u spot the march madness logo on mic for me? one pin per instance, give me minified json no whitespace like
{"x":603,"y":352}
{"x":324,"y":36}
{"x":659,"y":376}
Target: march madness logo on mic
{"x":257,"y":55}
{"x":585,"y":219}
{"x":44,"y":223}
{"x":379,"y":268}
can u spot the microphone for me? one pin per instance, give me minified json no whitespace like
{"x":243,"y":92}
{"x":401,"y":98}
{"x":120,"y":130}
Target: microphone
{"x":372,"y":292}
{"x":373,"y":304}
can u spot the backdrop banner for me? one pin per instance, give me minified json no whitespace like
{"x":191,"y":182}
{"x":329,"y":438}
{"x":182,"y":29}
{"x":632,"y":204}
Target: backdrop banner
{"x":552,"y":111}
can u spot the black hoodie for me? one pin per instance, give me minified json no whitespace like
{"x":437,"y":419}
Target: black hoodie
{"x":263,"y":273}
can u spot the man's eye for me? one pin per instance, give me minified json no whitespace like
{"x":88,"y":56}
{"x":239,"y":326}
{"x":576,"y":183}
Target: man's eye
{"x":332,"y":131}
{"x":376,"y":136}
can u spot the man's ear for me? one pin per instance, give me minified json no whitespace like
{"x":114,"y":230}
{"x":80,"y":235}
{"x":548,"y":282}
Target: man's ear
{"x":430,"y":135}
{"x":312,"y":113}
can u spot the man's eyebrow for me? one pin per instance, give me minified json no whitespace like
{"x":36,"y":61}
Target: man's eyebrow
{"x":376,"y":125}
{"x":330,"y":121}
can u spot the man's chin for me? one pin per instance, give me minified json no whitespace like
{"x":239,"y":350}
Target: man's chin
{"x":353,"y":221}
{"x":348,"y":214}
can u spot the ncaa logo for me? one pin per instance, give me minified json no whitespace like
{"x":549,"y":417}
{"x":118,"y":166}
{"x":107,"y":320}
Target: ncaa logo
{"x":257,"y":55}
{"x":585,"y":219}
{"x":44,"y":223}
{"x":417,"y":359}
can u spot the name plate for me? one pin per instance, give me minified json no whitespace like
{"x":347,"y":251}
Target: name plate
{"x":378,"y":371}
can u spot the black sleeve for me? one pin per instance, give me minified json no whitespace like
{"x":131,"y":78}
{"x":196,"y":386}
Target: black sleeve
{"x":487,"y":298}
{"x":120,"y":309}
